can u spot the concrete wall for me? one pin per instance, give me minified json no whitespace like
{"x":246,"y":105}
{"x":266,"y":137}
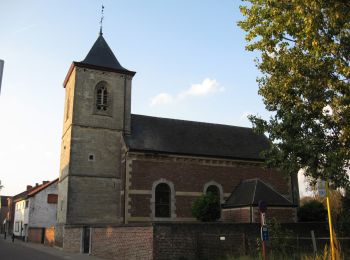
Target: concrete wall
{"x":41,"y":213}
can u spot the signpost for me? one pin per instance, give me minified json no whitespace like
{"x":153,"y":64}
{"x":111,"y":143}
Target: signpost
{"x":330,"y":222}
{"x":264,"y":229}
{"x":321,"y":188}
{"x":323,"y":191}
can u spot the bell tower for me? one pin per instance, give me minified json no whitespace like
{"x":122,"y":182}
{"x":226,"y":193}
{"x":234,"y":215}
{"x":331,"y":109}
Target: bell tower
{"x":96,"y":116}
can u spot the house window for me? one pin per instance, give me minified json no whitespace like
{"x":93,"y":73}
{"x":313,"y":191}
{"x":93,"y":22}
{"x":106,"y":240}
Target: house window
{"x":52,"y":198}
{"x":162,"y":200}
{"x":101,"y":97}
{"x":27,"y":204}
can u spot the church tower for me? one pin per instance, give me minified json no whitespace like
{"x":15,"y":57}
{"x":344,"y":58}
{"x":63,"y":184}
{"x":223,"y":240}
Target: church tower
{"x":96,"y":116}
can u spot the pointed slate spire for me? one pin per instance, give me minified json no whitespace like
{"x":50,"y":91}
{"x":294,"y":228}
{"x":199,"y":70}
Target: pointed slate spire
{"x":101,"y":55}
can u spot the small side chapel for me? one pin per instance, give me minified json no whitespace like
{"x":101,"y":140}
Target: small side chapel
{"x":118,"y":168}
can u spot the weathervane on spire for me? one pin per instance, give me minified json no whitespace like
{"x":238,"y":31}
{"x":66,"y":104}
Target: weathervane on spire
{"x":101,"y":21}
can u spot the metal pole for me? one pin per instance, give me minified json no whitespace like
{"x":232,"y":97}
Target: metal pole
{"x":262,"y":215}
{"x":330,"y":223}
{"x":313,"y":242}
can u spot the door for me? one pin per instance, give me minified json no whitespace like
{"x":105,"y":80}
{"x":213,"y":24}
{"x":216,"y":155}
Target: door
{"x":86,"y":240}
{"x":42,"y":235}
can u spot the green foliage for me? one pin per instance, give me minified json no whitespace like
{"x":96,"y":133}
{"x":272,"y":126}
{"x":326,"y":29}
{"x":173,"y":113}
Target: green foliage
{"x":312,"y":210}
{"x":206,"y":207}
{"x":305,"y":83}
{"x":281,"y":240}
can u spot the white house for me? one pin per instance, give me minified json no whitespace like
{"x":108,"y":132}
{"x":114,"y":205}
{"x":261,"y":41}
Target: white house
{"x":20,"y":217}
{"x":36,"y":212}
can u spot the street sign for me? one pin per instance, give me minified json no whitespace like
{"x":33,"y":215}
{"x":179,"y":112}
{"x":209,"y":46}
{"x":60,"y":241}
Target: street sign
{"x":264,"y":233}
{"x":321,"y":188}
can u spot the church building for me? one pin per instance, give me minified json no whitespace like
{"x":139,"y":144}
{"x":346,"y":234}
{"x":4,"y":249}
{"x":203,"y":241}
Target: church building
{"x":119,"y":168}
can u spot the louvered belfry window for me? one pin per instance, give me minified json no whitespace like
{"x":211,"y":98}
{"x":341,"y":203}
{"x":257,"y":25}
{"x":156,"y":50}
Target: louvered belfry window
{"x":101,"y":97}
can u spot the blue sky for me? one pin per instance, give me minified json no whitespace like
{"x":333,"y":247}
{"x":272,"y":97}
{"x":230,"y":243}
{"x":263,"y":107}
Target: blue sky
{"x":189,"y":57}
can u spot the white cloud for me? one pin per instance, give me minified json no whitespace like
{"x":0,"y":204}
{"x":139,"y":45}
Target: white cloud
{"x":162,"y":99}
{"x":207,"y":87}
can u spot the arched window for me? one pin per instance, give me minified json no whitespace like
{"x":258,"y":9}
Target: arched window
{"x":162,"y":201}
{"x":101,"y":97}
{"x":214,"y":190}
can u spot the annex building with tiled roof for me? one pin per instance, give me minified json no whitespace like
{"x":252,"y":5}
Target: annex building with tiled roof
{"x":120,"y":168}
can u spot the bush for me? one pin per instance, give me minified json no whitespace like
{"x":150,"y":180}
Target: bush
{"x":206,"y":207}
{"x":312,"y":211}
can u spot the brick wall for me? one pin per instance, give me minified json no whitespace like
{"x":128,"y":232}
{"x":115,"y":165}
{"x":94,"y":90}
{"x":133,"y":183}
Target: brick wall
{"x":72,"y":239}
{"x":282,"y":215}
{"x":49,"y":236}
{"x":238,"y":215}
{"x":198,"y":240}
{"x":173,"y":241}
{"x":242,"y":215}
{"x":122,"y":242}
{"x":191,"y":177}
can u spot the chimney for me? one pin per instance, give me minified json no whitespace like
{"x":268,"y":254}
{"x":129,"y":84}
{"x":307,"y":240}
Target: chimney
{"x":29,"y":187}
{"x":36,"y":184}
{"x":44,"y":182}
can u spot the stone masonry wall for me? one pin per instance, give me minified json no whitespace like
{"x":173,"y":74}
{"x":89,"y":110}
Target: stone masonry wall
{"x":122,"y":242}
{"x":72,"y":239}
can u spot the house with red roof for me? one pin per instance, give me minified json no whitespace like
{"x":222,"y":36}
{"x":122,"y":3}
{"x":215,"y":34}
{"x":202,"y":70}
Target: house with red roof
{"x":35,"y":211}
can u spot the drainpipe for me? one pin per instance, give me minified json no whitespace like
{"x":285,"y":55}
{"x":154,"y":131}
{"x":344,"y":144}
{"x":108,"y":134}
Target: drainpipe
{"x":125,"y":197}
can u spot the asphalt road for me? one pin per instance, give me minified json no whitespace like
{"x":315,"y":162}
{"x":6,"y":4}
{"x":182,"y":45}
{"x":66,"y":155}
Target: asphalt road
{"x":17,"y":251}
{"x":29,"y":251}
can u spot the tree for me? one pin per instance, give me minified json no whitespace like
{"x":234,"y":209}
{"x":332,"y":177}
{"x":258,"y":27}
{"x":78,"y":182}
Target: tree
{"x":206,"y":207}
{"x":312,"y":210}
{"x":305,"y":83}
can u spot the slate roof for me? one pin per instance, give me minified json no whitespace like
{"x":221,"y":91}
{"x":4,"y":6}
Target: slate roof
{"x":250,"y":192}
{"x":101,"y":55}
{"x":163,"y":135}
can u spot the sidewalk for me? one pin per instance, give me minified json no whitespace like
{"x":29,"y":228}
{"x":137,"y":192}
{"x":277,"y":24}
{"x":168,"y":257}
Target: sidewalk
{"x":55,"y":251}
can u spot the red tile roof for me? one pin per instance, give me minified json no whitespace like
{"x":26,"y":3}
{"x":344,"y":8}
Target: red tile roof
{"x":39,"y":188}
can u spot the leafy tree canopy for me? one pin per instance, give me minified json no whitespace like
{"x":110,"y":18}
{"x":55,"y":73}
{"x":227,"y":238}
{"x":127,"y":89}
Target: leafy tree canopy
{"x":312,"y":210}
{"x":206,"y":207}
{"x":305,"y":65}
